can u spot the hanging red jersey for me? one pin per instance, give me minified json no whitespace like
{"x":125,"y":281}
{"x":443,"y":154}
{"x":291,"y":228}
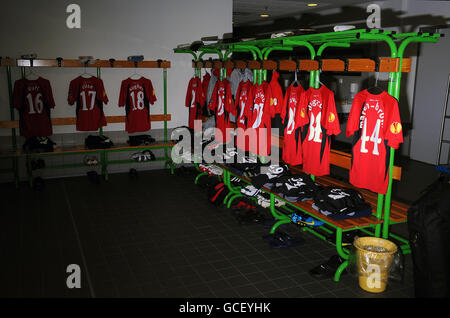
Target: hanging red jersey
{"x":136,"y":96}
{"x":89,"y":95}
{"x":240,"y":104}
{"x":261,"y":111}
{"x":222,"y":104}
{"x":205,"y":84}
{"x":195,"y":98}
{"x":374,"y":121}
{"x":277,"y":93}
{"x":34,"y":99}
{"x":320,"y":109}
{"x":292,"y":145}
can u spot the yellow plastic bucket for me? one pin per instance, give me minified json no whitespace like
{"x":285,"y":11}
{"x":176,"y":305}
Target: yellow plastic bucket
{"x":373,"y":259}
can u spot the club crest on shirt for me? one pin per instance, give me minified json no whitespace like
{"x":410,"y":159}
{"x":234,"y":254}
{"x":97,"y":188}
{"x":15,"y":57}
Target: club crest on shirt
{"x":396,"y":128}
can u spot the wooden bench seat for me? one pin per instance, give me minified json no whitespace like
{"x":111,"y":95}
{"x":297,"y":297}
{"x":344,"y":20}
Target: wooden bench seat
{"x":66,"y":149}
{"x":306,"y":206}
{"x":398,"y":213}
{"x":74,"y":149}
{"x":67,"y":121}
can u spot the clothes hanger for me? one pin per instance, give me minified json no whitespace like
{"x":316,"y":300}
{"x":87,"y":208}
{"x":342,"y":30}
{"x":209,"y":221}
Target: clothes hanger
{"x":375,"y":90}
{"x":295,"y":83}
{"x":85,"y":74}
{"x":32,"y":75}
{"x":135,"y":75}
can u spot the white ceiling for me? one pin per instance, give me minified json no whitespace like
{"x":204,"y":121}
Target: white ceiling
{"x":246,"y":12}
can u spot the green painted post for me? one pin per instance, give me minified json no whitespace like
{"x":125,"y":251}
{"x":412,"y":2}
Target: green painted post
{"x":165,"y":111}
{"x":104,"y":153}
{"x":13,"y":130}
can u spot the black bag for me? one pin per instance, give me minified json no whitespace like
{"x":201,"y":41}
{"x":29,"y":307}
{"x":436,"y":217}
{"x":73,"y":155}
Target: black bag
{"x":140,"y":140}
{"x":38,"y":144}
{"x":98,"y":142}
{"x":429,"y":238}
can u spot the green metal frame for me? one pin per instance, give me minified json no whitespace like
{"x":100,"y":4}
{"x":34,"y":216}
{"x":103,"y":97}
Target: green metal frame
{"x":261,"y":49}
{"x":104,"y":160}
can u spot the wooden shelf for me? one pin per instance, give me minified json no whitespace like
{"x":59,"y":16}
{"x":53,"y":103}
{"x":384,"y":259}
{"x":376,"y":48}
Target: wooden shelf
{"x":327,"y":65}
{"x":76,"y":63}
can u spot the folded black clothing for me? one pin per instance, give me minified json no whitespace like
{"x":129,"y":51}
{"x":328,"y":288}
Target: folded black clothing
{"x":98,"y":142}
{"x":340,"y":201}
{"x":362,"y":211}
{"x":269,"y":175}
{"x":38,"y":144}
{"x":140,"y":140}
{"x":295,"y":188}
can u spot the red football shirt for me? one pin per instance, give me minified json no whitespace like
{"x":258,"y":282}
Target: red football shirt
{"x":277,"y":92}
{"x":374,"y":121}
{"x":261,"y":110}
{"x":195,"y":98}
{"x":222,"y":103}
{"x":137,"y":96}
{"x":240,"y":104}
{"x":34,"y":99}
{"x":89,"y":95}
{"x":292,"y":145}
{"x":205,"y":83}
{"x":320,"y":109}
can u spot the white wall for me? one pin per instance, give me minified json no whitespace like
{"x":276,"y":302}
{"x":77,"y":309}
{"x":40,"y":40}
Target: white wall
{"x":110,"y":29}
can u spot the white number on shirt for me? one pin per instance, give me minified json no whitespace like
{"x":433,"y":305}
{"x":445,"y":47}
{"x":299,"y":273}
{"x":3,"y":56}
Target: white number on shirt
{"x":315,"y":131}
{"x":259,"y":110}
{"x":373,"y":138}
{"x":83,"y":96}
{"x":37,"y":106}
{"x":139,"y":105}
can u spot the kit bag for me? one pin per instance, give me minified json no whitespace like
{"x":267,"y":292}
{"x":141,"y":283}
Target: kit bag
{"x":429,"y":237}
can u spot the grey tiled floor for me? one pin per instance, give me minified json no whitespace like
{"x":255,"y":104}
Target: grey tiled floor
{"x":156,"y":236}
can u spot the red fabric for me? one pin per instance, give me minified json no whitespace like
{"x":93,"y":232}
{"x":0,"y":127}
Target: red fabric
{"x":261,"y":111}
{"x":195,"y":98}
{"x":277,"y":92}
{"x":222,"y":103}
{"x":292,"y":146}
{"x":136,"y":96}
{"x":375,"y":121}
{"x":34,"y":99}
{"x":241,"y":104}
{"x":89,"y":95}
{"x":205,"y":84}
{"x":320,"y":109}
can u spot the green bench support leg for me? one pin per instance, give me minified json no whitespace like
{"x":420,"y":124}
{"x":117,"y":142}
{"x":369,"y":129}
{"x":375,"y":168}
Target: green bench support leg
{"x":198,"y":177}
{"x":342,"y":254}
{"x":279,"y":223}
{"x":104,"y":157}
{"x":29,"y":171}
